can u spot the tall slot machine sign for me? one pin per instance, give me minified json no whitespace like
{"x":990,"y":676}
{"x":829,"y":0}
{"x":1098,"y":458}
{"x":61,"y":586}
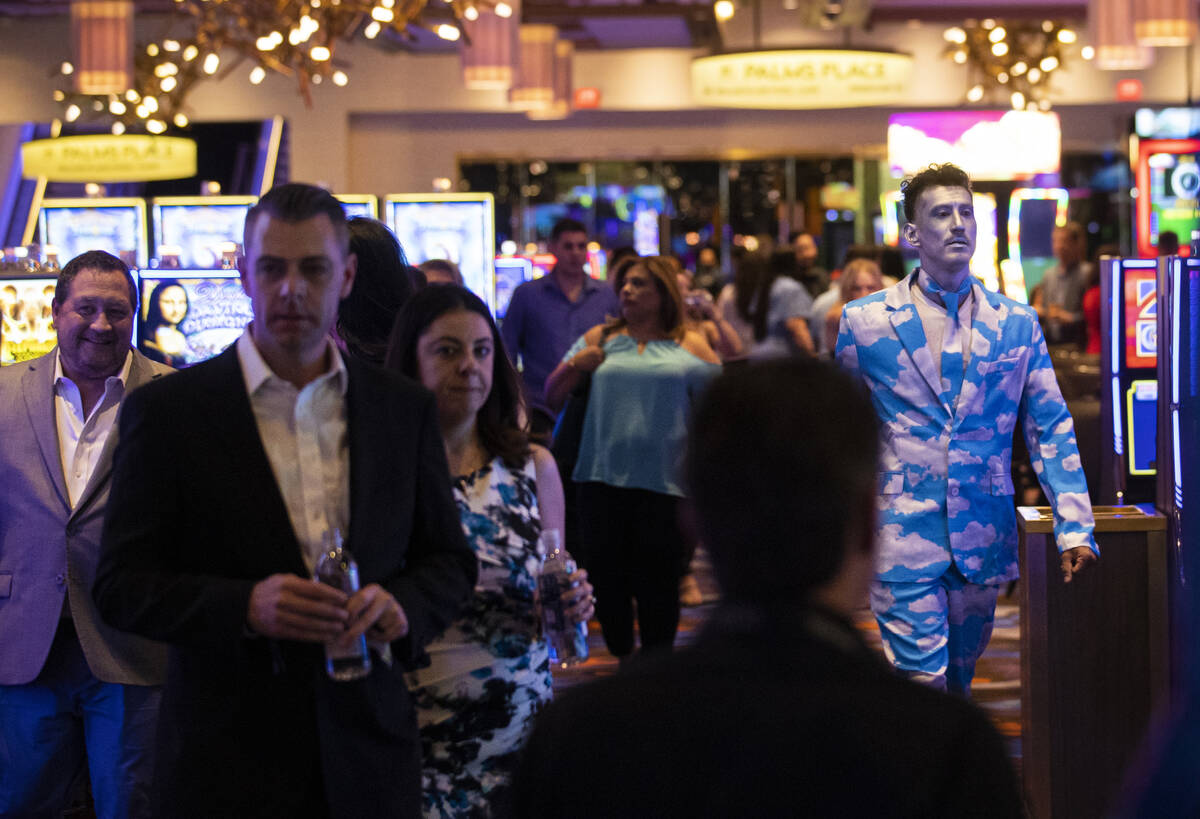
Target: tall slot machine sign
{"x":1129,"y":390}
{"x":1179,"y":432}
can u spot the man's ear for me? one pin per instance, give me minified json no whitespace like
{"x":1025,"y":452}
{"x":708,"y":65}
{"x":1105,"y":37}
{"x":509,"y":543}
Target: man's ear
{"x":911,"y":235}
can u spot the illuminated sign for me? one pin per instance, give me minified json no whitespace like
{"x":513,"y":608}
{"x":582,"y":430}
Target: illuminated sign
{"x":109,"y":158}
{"x":1002,"y":145}
{"x":801,"y":78}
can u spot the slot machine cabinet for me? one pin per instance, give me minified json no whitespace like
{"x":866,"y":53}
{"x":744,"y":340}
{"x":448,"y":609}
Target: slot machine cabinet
{"x":1129,"y":380}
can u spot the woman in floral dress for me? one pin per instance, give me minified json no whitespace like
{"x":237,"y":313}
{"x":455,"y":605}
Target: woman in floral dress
{"x":490,"y":672}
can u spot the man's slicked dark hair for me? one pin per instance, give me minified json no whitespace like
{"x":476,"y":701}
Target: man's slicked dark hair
{"x":948,"y":176}
{"x":101,"y":262}
{"x":297,"y":202}
{"x":780,"y":455}
{"x":566,"y":226}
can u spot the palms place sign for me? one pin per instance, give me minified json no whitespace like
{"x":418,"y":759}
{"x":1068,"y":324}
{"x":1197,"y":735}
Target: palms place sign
{"x":801,"y":78}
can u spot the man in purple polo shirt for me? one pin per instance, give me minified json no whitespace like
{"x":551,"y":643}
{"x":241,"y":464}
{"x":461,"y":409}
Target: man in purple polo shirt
{"x":546,"y":315}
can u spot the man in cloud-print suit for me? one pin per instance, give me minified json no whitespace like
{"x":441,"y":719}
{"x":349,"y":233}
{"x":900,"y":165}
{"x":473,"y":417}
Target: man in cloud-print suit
{"x":947,"y":527}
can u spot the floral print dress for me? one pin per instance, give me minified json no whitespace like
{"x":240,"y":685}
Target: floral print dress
{"x":490,"y":671}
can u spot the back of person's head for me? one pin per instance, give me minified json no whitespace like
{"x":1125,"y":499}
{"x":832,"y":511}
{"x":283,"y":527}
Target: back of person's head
{"x":781,"y":466}
{"x":382,"y":285}
{"x":298,"y":202}
{"x":860,"y":252}
{"x":1168,"y":243}
{"x":500,"y":428}
{"x":617,"y":255}
{"x":891,"y":263}
{"x":98,"y":261}
{"x":566,"y":225}
{"x":441,"y":271}
{"x":935,"y":176}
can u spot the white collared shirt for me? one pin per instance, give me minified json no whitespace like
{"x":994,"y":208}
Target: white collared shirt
{"x":81,"y":439}
{"x":304,"y":434}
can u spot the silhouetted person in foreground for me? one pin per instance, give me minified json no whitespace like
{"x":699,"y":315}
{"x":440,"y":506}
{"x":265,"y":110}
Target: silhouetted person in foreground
{"x":779,"y":708}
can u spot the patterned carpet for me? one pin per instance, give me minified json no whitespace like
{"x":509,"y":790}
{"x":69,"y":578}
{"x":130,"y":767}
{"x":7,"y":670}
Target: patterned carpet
{"x":997,"y":686}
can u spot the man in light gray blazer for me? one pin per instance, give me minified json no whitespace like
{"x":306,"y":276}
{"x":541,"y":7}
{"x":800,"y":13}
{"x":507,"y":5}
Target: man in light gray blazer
{"x":70,"y":685}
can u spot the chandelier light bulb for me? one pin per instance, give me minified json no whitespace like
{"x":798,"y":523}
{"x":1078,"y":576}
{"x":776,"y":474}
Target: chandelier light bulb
{"x":264,"y":44}
{"x":1019,"y":68}
{"x":1002,"y":77}
{"x":152,"y":49}
{"x":132,"y":95}
{"x":988,"y":24}
{"x":142,"y":111}
{"x":211,"y":63}
{"x":1047,"y":26}
{"x":118,"y":128}
{"x":470,"y":14}
{"x":73,"y":112}
{"x":155,"y":126}
{"x":1044,"y":104}
{"x":1035,"y":75}
{"x":1018,"y":100}
{"x":503,"y":10}
{"x":960,"y":56}
{"x":1048,"y":64}
{"x":168,"y":84}
{"x":954,"y":34}
{"x":190,"y":53}
{"x":59,"y":96}
{"x":372,"y":30}
{"x":448,"y":32}
{"x":295,"y":37}
{"x":1067,"y":36}
{"x":319,"y":53}
{"x":181,"y":120}
{"x":171,"y":45}
{"x":340,"y":79}
{"x":257,"y":74}
{"x":151,"y":104}
{"x":723,"y":10}
{"x":999,"y":49}
{"x":316,"y":79}
{"x":67,"y":69}
{"x":997,"y":34}
{"x":1087,"y":52}
{"x":975,"y":94}
{"x":382,"y":15}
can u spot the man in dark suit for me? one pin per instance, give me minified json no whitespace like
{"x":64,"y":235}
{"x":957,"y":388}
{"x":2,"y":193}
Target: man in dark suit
{"x":70,"y":684}
{"x":779,"y":708}
{"x":227,"y":481}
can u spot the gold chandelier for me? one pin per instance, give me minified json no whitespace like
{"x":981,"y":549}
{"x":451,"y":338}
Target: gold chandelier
{"x":1014,"y":60}
{"x":296,"y":38}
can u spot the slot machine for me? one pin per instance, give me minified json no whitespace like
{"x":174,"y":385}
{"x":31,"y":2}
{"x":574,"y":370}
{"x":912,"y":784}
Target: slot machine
{"x":354,"y":204}
{"x":1129,"y":380}
{"x":75,"y":225}
{"x":1033,"y":214}
{"x":194,"y":231}
{"x":459,"y":227}
{"x":26,"y":323}
{"x":188,"y":316}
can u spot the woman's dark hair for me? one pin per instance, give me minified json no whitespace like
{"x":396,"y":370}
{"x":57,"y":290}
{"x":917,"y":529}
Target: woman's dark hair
{"x":752,"y":285}
{"x":662,"y":272}
{"x":382,"y":285}
{"x":498,"y":420}
{"x":154,"y":315}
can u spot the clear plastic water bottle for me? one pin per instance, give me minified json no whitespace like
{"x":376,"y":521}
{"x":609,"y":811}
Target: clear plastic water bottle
{"x":567,"y":641}
{"x":344,"y":660}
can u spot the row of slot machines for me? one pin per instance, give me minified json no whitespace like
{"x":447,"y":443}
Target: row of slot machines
{"x":1150,"y":406}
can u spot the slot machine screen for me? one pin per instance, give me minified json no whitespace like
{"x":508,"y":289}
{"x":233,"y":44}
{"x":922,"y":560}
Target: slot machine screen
{"x":457,"y":227}
{"x":188,"y":316}
{"x":74,"y":226}
{"x":1174,"y":195}
{"x":1141,"y":317}
{"x":199,"y":227}
{"x":26,"y":324}
{"x":1141,"y":406}
{"x":359,"y":206}
{"x":511,"y":272}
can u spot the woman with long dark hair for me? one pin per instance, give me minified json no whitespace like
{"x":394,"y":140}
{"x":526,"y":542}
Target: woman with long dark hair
{"x":775,"y":305}
{"x":490,"y":671}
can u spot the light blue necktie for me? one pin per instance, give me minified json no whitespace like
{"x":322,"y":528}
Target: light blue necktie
{"x":952,"y":338}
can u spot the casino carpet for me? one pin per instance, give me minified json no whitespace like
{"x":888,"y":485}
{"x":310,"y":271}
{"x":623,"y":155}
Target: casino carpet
{"x":997,"y":686}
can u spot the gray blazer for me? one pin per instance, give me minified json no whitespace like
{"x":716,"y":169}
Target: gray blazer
{"x":46,"y":547}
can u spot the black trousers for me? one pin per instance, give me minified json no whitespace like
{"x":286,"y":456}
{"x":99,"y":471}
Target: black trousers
{"x":633,"y":549}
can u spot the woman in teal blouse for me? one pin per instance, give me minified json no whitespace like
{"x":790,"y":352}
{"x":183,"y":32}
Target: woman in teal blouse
{"x":646,"y":369}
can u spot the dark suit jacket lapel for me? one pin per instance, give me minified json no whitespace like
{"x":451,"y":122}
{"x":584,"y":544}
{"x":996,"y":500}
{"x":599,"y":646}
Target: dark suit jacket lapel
{"x":270,"y":522}
{"x":37,"y":385}
{"x":367,"y":426}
